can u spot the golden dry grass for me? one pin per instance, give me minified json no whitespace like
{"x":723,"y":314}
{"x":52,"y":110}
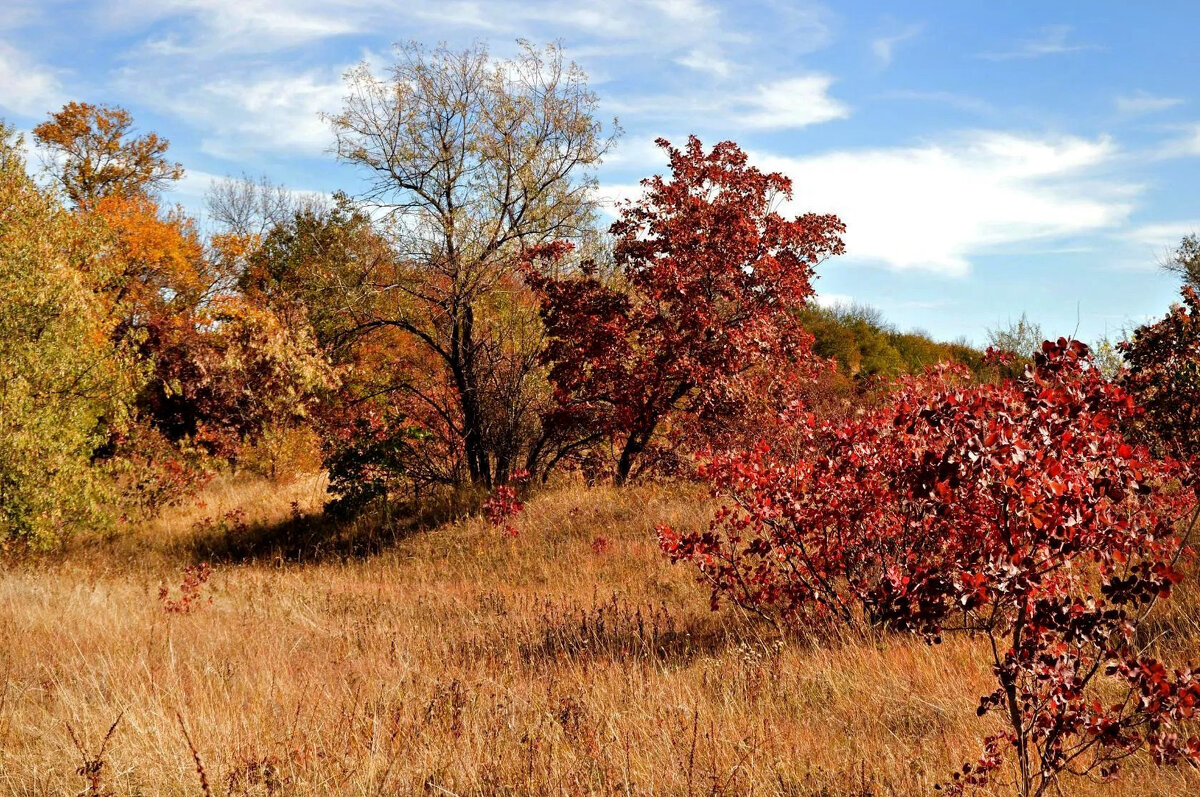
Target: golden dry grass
{"x":459,"y":662}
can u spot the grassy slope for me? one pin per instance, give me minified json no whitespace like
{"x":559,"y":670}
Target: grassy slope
{"x":457,"y":661}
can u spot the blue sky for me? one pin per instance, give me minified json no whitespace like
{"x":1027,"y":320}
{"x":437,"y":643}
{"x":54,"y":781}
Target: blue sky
{"x":989,"y":158}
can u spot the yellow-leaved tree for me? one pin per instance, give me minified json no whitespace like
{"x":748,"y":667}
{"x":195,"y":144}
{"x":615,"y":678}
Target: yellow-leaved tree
{"x":63,"y":380}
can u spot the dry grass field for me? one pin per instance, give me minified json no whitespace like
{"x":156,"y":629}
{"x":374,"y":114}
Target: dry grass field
{"x":455,"y":661}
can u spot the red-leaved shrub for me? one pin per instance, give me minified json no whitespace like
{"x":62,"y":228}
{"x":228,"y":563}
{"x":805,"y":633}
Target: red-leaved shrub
{"x":1018,"y":512}
{"x":190,"y":591}
{"x":504,"y":504}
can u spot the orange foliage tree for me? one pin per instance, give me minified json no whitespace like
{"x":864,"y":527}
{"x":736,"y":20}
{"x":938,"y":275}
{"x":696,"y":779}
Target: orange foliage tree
{"x":219,"y":370}
{"x":98,"y":154}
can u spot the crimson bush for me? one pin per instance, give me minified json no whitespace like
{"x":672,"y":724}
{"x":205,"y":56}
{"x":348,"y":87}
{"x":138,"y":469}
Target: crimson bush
{"x":1018,"y":512}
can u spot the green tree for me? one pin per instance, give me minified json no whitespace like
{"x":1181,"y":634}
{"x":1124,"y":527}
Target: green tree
{"x":1108,"y":357}
{"x":62,"y":379}
{"x":863,"y":344}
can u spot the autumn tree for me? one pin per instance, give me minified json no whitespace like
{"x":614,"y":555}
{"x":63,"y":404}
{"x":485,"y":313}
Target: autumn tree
{"x":223,"y":375}
{"x":1018,"y":512}
{"x":1184,"y":262}
{"x":95,"y":152}
{"x":1108,"y":357}
{"x":709,"y":280}
{"x":387,"y":430}
{"x":221,"y":369}
{"x":472,"y":161}
{"x":251,"y":208}
{"x":242,"y":212}
{"x":1162,"y":370}
{"x":154,"y":260}
{"x":855,"y":337}
{"x":63,"y":380}
{"x":319,"y":266}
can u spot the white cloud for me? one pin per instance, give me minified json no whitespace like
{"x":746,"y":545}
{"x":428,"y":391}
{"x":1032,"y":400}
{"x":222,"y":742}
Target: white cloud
{"x":1141,"y":102}
{"x":222,"y":65}
{"x":703,"y":61}
{"x":787,"y":103}
{"x":274,"y":112}
{"x":29,"y":89}
{"x":1050,"y":40}
{"x":934,"y":207}
{"x":884,"y":47}
{"x":686,"y":11}
{"x":194,"y":186}
{"x":15,"y":13}
{"x":255,"y":26}
{"x":640,"y":153}
{"x":192,"y":191}
{"x":1186,"y":144}
{"x":827,"y":300}
{"x":213,"y":27}
{"x":791,"y":103}
{"x":1161,"y":236}
{"x":612,"y":195}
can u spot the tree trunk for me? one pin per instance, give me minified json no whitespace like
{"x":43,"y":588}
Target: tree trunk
{"x":478,"y":457}
{"x":635,"y":444}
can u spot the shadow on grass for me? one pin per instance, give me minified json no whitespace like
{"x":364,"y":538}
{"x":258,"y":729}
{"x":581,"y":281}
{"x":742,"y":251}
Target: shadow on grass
{"x":326,"y":536}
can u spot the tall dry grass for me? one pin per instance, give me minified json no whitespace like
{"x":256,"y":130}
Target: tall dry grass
{"x":455,"y":661}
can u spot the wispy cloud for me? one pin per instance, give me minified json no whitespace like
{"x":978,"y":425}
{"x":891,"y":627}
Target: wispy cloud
{"x":241,"y":71}
{"x":220,"y":27}
{"x":1140,"y":103}
{"x":884,"y":47}
{"x":702,"y":60}
{"x":256,"y":26}
{"x":934,"y":207}
{"x":1050,"y":40}
{"x":825,"y":299}
{"x":1184,"y":143}
{"x":273,"y":111}
{"x":30,"y":89}
{"x":793,"y":102}
{"x":783,"y":104}
{"x":1160,"y":236}
{"x":963,"y":102}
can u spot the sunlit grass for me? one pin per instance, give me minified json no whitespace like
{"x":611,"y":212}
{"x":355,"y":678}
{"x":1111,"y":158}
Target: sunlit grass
{"x":458,"y":661}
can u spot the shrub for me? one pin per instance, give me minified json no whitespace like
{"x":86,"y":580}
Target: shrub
{"x":369,"y":456}
{"x":1018,"y":512}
